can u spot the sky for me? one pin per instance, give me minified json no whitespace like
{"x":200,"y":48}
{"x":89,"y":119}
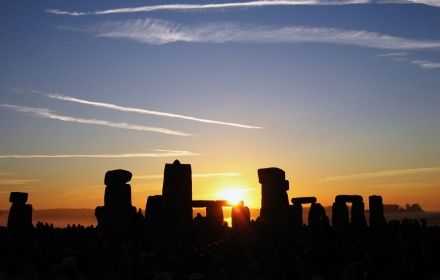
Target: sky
{"x":342,"y":95}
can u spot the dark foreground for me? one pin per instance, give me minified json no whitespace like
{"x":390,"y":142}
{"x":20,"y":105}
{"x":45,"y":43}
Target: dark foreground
{"x":407,"y":250}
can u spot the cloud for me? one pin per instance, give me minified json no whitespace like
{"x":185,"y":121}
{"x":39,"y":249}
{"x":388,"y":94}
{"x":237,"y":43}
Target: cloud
{"x":143,"y":111}
{"x":152,"y":31}
{"x":16,"y":182}
{"x":380,"y":174}
{"x":48,"y":114}
{"x":235,"y":5}
{"x":434,"y":3}
{"x":196,"y":175}
{"x":392,"y":54}
{"x":425,"y":64}
{"x":155,"y":154}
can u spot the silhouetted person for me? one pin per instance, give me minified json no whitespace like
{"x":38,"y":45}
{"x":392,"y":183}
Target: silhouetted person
{"x":377,"y":218}
{"x":20,"y":219}
{"x":274,"y":201}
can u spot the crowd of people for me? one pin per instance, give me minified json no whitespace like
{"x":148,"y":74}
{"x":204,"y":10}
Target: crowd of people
{"x":399,"y":250}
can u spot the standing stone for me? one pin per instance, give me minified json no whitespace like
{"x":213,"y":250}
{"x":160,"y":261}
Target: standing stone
{"x":154,"y":210}
{"x":340,"y":217}
{"x":357,"y":215}
{"x":274,"y":201}
{"x":20,"y":218}
{"x":340,"y":211}
{"x":296,"y":214}
{"x":117,"y":177}
{"x":317,"y":216}
{"x":177,"y":194}
{"x":241,"y":218}
{"x":214,"y":213}
{"x":377,"y":218}
{"x":117,"y":215}
{"x":297,"y":210}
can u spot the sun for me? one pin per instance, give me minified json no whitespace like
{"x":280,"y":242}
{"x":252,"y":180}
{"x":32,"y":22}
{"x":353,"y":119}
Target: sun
{"x":232,"y":195}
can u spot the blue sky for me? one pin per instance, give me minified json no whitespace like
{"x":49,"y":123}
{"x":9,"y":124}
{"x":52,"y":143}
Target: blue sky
{"x":333,"y":94}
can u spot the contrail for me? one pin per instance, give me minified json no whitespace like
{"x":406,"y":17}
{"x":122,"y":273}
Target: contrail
{"x":155,"y":154}
{"x":143,"y":111}
{"x":48,"y":114}
{"x":235,"y":5}
{"x":384,"y":173}
{"x":156,"y":32}
{"x":189,"y":7}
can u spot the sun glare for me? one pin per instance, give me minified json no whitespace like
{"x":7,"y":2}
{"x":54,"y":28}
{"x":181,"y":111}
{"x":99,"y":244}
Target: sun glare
{"x":232,"y":195}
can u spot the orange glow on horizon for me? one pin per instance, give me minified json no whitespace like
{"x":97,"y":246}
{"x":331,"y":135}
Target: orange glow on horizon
{"x":233,"y":195}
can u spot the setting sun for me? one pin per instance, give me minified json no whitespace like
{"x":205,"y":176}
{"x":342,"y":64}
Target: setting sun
{"x":232,"y":195}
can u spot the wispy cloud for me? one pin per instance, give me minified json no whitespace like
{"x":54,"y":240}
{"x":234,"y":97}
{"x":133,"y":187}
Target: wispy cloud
{"x":392,"y":54}
{"x":195,"y":175}
{"x":434,"y":3}
{"x":384,"y":173}
{"x":426,"y":64}
{"x":143,"y":111}
{"x":152,"y":31}
{"x":48,"y":114}
{"x":155,"y":154}
{"x":235,"y":5}
{"x":16,"y":182}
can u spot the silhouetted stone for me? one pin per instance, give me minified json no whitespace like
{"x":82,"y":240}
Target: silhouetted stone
{"x":357,"y":215}
{"x":296,"y":209}
{"x":117,"y":177}
{"x":154,"y":210}
{"x":177,"y":194}
{"x":18,"y":197}
{"x":118,"y":216}
{"x":240,"y":217}
{"x":20,"y":219}
{"x":340,"y":217}
{"x":348,"y":198}
{"x":214,"y":213}
{"x":274,"y":201}
{"x":377,"y":218}
{"x":317,"y":216}
{"x":117,"y":196}
{"x":100,"y":215}
{"x":303,"y":200}
{"x":296,"y":214}
{"x":205,"y":203}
